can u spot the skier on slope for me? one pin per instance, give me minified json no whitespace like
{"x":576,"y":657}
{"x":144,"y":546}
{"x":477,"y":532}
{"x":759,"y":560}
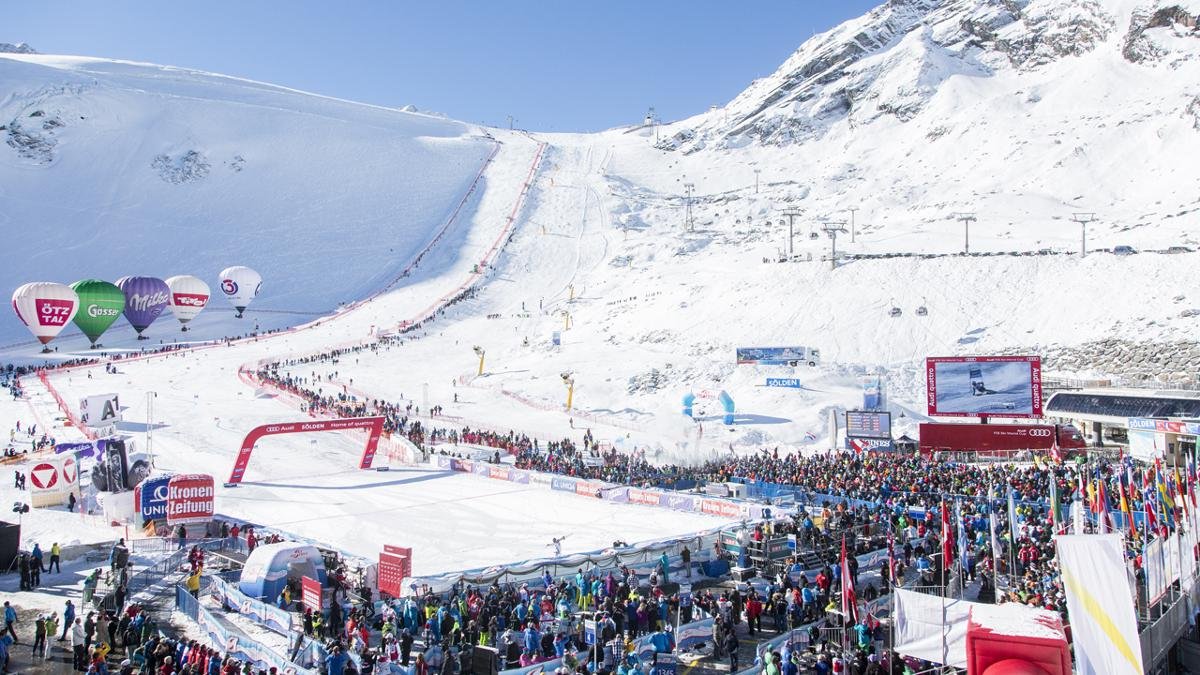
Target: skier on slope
{"x":556,"y":542}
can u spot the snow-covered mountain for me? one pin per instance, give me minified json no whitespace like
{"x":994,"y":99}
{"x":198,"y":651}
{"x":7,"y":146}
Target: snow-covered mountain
{"x":1023,"y":113}
{"x":1019,"y":110}
{"x":110,"y":168}
{"x":18,"y":48}
{"x":897,"y":60}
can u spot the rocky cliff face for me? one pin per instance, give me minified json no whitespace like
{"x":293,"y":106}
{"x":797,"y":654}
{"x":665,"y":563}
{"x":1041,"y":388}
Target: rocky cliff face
{"x":18,"y":48}
{"x":894,"y":60}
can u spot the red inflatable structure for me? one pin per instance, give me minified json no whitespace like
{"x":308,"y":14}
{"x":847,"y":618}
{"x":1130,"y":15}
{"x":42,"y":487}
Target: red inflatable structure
{"x":1016,"y":640}
{"x":372,"y":425}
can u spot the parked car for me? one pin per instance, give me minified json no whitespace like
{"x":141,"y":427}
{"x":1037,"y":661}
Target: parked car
{"x":1179,"y":249}
{"x":1123,"y":250}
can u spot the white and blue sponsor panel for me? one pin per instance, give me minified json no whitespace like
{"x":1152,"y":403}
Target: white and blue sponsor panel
{"x":253,"y":609}
{"x":241,"y":647}
{"x":784,"y":382}
{"x":687,"y":637}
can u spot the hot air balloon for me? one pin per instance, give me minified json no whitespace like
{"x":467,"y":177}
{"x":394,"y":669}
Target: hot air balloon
{"x":189,"y":295}
{"x":100,"y":304}
{"x":145,"y":299}
{"x":240,"y":286}
{"x":45,"y":308}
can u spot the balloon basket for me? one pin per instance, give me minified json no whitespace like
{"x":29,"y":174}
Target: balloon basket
{"x":47,"y":350}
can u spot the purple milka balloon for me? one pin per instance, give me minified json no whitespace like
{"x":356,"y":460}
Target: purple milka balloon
{"x":145,"y":299}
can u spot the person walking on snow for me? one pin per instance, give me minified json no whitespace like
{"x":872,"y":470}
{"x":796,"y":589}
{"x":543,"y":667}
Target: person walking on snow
{"x":10,"y":620}
{"x":69,"y":620}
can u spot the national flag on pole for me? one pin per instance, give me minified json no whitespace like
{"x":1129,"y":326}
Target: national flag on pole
{"x":1055,"y":453}
{"x":849,"y":603}
{"x":1056,"y":517}
{"x":1149,"y":501}
{"x":1191,"y":481}
{"x":947,"y":551}
{"x":891,"y":555}
{"x":1102,"y":521}
{"x":962,"y":535}
{"x":1125,"y":510}
{"x":992,"y":524}
{"x":1012,"y":519}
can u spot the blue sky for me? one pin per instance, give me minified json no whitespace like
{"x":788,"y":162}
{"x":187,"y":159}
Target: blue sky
{"x":571,"y":65}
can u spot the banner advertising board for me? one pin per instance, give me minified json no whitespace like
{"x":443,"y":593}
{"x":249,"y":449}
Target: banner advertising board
{"x":190,"y":499}
{"x":99,"y":411}
{"x":966,"y":386}
{"x":1146,"y":445}
{"x":777,"y":356}
{"x":872,"y":392}
{"x":310,"y":593}
{"x":395,"y":564}
{"x":52,"y":478}
{"x":870,"y":444}
{"x":1164,"y":426}
{"x":786,"y":382}
{"x":862,"y":424}
{"x":151,"y":498}
{"x":111,"y":471}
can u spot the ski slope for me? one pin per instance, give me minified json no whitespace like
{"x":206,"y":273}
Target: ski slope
{"x":112,"y":168}
{"x":586,"y":235}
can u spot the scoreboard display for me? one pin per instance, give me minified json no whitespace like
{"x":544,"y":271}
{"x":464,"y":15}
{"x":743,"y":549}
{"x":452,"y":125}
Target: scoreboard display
{"x":862,"y":424}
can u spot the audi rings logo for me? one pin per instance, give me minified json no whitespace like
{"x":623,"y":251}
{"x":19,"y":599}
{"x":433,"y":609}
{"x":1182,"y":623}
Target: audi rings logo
{"x":1040,"y":432}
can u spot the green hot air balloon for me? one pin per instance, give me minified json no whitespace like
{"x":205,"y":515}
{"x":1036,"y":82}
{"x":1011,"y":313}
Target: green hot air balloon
{"x":100,"y":304}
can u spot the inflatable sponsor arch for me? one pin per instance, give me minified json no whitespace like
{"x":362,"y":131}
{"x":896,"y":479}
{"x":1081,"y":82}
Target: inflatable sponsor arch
{"x":723,"y":398}
{"x":269,"y":567}
{"x":372,"y":425}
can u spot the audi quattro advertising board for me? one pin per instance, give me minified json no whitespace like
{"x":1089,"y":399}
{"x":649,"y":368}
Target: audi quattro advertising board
{"x":972,"y":386}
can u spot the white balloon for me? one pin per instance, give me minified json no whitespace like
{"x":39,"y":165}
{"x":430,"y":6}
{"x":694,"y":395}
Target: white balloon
{"x":45,"y":308}
{"x":240,"y":286}
{"x":189,"y":295}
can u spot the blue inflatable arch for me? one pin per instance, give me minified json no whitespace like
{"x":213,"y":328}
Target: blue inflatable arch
{"x":269,"y":567}
{"x":726,"y":401}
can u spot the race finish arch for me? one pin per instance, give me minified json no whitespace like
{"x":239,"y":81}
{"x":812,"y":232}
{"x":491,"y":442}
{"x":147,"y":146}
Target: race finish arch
{"x":372,"y":425}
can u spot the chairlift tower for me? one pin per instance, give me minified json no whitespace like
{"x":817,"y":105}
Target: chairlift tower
{"x":1083,"y":219}
{"x":832,"y":228}
{"x":756,"y":172}
{"x":689,"y":223}
{"x":791,"y":215}
{"x":966,"y":219}
{"x":852,"y":209}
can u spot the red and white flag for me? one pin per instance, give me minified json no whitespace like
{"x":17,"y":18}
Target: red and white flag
{"x":849,"y":602}
{"x":947,"y":550}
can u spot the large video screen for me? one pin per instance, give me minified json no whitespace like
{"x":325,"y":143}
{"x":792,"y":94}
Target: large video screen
{"x":1000,"y":386}
{"x":864,"y":424}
